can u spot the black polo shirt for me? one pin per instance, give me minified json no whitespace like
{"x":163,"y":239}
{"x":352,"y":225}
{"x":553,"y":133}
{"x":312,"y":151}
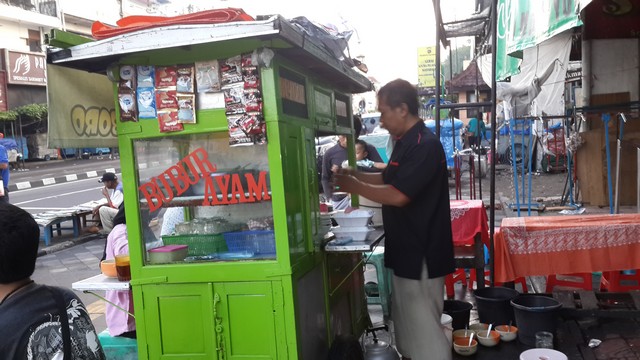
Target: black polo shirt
{"x":421,"y":229}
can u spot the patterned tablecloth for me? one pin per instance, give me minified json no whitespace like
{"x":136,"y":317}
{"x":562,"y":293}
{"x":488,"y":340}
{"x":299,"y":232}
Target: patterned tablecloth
{"x":549,"y":245}
{"x":468,"y":217}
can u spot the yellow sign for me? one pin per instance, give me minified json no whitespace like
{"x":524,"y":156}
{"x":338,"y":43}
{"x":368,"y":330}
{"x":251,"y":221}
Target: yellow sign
{"x":427,"y":66}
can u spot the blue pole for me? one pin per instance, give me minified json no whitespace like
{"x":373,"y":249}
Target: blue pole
{"x":606,"y":118}
{"x":523,"y":157}
{"x":513,"y":163}
{"x":530,"y":152}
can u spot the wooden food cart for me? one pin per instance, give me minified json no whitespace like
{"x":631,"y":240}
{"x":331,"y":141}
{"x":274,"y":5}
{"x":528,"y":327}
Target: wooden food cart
{"x":229,"y":147}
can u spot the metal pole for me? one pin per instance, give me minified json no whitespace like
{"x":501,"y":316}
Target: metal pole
{"x":438,"y":84}
{"x":492,"y":198}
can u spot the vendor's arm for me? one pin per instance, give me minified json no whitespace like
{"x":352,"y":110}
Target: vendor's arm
{"x":378,"y":192}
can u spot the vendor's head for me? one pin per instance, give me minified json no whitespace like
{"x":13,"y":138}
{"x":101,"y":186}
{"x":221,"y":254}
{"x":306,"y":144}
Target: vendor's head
{"x":19,"y":240}
{"x":398,"y":106}
{"x":109,"y":179}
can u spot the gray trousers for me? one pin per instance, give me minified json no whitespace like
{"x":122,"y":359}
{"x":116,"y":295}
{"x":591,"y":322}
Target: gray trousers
{"x":416,"y":309}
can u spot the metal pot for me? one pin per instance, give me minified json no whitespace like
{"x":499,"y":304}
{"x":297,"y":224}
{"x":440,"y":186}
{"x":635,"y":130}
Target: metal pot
{"x":380,"y":350}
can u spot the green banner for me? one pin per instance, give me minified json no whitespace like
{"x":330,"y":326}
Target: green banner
{"x":525,"y":23}
{"x":81,"y":109}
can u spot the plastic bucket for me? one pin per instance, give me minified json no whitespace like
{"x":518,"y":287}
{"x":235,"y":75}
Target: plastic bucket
{"x":534,"y":313}
{"x":494,"y":305}
{"x":459,"y":311}
{"x":445,"y":321}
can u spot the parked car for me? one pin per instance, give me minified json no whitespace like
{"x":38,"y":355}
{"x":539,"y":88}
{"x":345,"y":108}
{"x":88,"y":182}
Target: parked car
{"x":96,"y":151}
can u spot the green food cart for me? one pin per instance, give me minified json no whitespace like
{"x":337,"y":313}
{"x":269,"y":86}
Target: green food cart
{"x":217,"y":127}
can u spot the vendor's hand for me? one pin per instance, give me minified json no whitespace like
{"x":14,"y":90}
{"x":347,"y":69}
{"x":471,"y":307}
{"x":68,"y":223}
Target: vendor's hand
{"x":345,"y":182}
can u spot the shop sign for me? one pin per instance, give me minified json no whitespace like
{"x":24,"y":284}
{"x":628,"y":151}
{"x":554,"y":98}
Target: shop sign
{"x":3,"y":91}
{"x":220,"y":189}
{"x":25,"y":68}
{"x":573,"y":75}
{"x":427,"y":66}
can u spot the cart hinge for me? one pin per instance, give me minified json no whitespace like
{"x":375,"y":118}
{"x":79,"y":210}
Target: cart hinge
{"x":147,"y":281}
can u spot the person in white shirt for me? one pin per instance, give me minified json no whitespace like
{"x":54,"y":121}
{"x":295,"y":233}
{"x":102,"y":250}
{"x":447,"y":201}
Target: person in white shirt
{"x":112,"y":191}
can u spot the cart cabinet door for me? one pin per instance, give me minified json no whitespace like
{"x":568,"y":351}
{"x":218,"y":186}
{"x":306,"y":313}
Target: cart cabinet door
{"x":179,"y":321}
{"x":246,"y":320}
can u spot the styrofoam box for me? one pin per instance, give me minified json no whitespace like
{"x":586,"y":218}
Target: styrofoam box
{"x":358,"y":233}
{"x":356,"y":218}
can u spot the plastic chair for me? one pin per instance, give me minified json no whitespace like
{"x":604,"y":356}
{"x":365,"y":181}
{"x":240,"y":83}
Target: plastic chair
{"x":459,"y":275}
{"x":116,"y":347}
{"x":576,"y":280}
{"x":376,"y":258}
{"x":618,"y":281}
{"x":472,"y":275}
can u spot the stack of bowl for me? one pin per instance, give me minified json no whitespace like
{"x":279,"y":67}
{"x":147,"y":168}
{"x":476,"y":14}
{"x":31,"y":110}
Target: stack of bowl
{"x":353,"y":224}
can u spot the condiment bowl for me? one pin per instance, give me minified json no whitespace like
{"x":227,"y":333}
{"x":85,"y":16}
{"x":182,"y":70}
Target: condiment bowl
{"x":488,"y":338}
{"x":461,"y":346}
{"x":507,"y":332}
{"x":478,"y":327}
{"x":462,"y":334}
{"x":108,"y":268}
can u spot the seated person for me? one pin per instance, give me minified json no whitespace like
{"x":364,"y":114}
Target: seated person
{"x":112,"y":191}
{"x":119,"y":323}
{"x":38,"y":321}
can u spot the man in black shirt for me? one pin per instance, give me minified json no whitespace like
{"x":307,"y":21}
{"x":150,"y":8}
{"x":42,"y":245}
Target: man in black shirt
{"x":414,"y":193}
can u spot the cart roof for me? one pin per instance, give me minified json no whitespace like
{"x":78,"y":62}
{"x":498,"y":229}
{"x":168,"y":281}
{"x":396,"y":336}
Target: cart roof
{"x":275,"y":32}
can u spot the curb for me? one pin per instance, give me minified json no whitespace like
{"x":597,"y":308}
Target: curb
{"x":69,"y":243}
{"x":61,"y":179}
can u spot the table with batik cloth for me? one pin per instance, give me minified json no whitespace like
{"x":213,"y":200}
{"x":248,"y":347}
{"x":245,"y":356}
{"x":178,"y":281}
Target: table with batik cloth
{"x":546,"y":245}
{"x":468,"y":218}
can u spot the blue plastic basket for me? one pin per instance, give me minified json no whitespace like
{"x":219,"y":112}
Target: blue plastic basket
{"x":255,"y":241}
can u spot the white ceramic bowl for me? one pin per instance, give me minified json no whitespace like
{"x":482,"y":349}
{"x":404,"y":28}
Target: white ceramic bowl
{"x":488,"y":339}
{"x":462,"y":334}
{"x":507,"y":333}
{"x":478,"y":327}
{"x":461,"y":346}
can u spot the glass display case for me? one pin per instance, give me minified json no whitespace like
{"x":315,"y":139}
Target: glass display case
{"x":196,"y":190}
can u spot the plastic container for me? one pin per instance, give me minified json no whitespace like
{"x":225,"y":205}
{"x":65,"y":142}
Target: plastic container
{"x":445,"y":322}
{"x":534,"y":313}
{"x":367,"y":204}
{"x":198,"y":245}
{"x":494,"y":305}
{"x":259,"y":242}
{"x":460,"y":311}
{"x":356,"y":233}
{"x":167,"y":254}
{"x":356,"y":218}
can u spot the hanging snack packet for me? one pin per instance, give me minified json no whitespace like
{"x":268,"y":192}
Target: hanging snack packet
{"x":168,"y":121}
{"x":145,"y":76}
{"x":233,"y":99}
{"x":208,"y":76}
{"x":127,"y":105}
{"x":231,"y":71}
{"x":250,"y":59}
{"x":251,"y":78}
{"x":184,"y":84}
{"x":146,"y":103}
{"x":186,"y":113}
{"x":127,"y":72}
{"x":166,"y":99}
{"x":166,"y":77}
{"x":252,"y":101}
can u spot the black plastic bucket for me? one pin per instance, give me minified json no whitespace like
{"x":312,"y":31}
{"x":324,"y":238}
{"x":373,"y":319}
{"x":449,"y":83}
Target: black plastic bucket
{"x":460,"y":311}
{"x":494,"y":305}
{"x":534,"y":313}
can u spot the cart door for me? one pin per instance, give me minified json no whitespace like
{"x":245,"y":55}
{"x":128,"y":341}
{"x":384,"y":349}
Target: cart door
{"x":179,"y":321}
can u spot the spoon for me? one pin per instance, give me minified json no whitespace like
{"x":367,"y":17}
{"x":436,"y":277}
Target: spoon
{"x":509,"y":327}
{"x":471,"y":339}
{"x":489,"y":330}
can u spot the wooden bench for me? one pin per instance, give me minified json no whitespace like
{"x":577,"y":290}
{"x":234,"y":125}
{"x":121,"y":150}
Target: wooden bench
{"x":82,"y":216}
